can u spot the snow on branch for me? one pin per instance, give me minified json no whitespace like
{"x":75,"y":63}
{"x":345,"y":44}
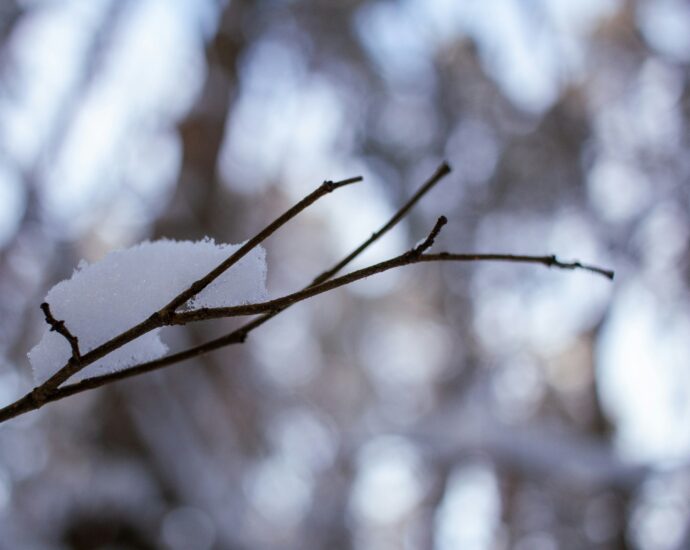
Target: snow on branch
{"x":106,"y":298}
{"x":116,"y":307}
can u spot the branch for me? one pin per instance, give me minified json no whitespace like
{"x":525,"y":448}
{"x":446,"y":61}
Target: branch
{"x":408,"y":258}
{"x":548,"y":261}
{"x":61,"y":328}
{"x":273,"y":307}
{"x":427,"y":243}
{"x":197,"y":286}
{"x":167,"y":315}
{"x":39,"y":395}
{"x":278,"y":304}
{"x":240,"y":334}
{"x":442,"y":171}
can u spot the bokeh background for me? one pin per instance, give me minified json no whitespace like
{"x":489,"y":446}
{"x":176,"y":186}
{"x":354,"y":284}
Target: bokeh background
{"x":439,"y":406}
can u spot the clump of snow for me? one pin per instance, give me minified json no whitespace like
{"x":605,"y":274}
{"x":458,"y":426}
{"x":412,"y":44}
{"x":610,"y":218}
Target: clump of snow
{"x":105,"y":298}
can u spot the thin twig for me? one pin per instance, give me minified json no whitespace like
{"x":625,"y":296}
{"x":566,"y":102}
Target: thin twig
{"x":427,"y":243}
{"x":61,"y":328}
{"x":240,"y":334}
{"x":548,"y":261}
{"x":97,"y":381}
{"x":408,"y":258}
{"x":442,"y":171}
{"x":201,"y":284}
{"x":27,"y":403}
{"x":42,"y":394}
{"x":39,"y":394}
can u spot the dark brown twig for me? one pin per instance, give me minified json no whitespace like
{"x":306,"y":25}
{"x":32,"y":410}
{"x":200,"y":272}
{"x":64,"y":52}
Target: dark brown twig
{"x":548,"y":261}
{"x":278,"y":304}
{"x":427,"y":243}
{"x":40,"y":394}
{"x":61,"y":328}
{"x":168,"y":315}
{"x":27,"y":403}
{"x":201,"y":284}
{"x":442,"y":171}
{"x":240,"y":334}
{"x":408,"y":258}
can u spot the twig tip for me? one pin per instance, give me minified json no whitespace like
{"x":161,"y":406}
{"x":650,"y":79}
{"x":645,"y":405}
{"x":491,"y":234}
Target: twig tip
{"x":59,"y":327}
{"x":429,"y":241}
{"x":332,"y":185}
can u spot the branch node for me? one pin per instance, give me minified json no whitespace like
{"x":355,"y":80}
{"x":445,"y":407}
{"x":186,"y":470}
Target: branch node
{"x":37,"y":397}
{"x":60,"y":327}
{"x":163,"y":317}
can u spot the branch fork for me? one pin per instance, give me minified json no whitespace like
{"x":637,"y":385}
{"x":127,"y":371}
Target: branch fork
{"x":429,"y":241}
{"x":53,"y":390}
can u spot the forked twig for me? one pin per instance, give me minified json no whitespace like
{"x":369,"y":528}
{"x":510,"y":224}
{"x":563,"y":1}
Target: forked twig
{"x":61,"y":328}
{"x":197,"y":286}
{"x":168,"y":315}
{"x":548,"y":261}
{"x":240,"y":334}
{"x":413,"y":256}
{"x":40,"y":394}
{"x":441,"y":172}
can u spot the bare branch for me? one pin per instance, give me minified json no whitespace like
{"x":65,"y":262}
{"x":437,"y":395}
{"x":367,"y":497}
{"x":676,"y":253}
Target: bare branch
{"x":240,"y":334}
{"x":408,"y":258}
{"x":196,"y":287}
{"x":442,"y":171}
{"x":30,"y":402}
{"x":61,"y":328}
{"x":49,"y":391}
{"x":162,"y":317}
{"x":427,"y":243}
{"x":548,"y":261}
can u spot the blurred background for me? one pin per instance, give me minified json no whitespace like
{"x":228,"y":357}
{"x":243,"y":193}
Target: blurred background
{"x":437,"y":406}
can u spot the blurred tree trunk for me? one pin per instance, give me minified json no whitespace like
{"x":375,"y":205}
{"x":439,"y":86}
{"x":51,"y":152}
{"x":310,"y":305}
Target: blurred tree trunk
{"x":30,"y":237}
{"x":193,"y":210}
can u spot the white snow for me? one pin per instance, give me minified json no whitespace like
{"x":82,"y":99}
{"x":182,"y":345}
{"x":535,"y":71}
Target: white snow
{"x":105,"y":298}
